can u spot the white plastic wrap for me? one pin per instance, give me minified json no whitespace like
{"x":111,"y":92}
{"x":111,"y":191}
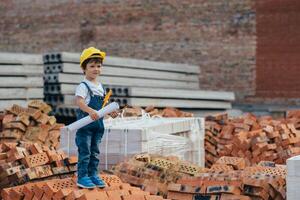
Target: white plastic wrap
{"x":125,"y":137}
{"x":293,"y":178}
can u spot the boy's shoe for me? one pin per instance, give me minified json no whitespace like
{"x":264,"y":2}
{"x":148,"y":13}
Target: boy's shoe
{"x":98,"y":181}
{"x":85,"y":182}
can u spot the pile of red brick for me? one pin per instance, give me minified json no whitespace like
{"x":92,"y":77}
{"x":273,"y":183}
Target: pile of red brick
{"x":26,"y":162}
{"x":66,"y":189}
{"x":230,"y":178}
{"x":153,"y":173}
{"x":152,"y":111}
{"x":255,"y":139}
{"x":30,"y":124}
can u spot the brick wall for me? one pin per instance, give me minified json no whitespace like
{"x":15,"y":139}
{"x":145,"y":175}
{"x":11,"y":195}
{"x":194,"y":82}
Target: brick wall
{"x":218,"y":35}
{"x":278,"y":45}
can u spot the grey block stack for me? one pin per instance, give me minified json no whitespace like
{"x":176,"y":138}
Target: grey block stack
{"x":133,"y":82}
{"x":293,"y":178}
{"x":21,"y":78}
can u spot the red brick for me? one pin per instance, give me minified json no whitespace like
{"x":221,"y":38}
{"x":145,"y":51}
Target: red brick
{"x":180,"y":196}
{"x":152,"y":197}
{"x":16,"y":193}
{"x":5,"y":193}
{"x":138,"y":191}
{"x":62,"y":193}
{"x":38,"y":190}
{"x":43,"y":171}
{"x":36,"y":160}
{"x":28,"y":191}
{"x":46,"y":197}
{"x":35,"y":148}
{"x":53,"y":187}
{"x":94,"y":195}
{"x":134,"y":197}
{"x":234,"y":197}
{"x":75,"y":194}
{"x":44,"y":132}
{"x":114,"y":195}
{"x":216,"y":189}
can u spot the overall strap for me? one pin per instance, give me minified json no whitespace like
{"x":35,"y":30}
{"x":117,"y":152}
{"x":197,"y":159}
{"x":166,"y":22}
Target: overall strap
{"x":89,"y":89}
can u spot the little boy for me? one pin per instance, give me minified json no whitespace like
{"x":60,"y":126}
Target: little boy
{"x":89,"y":98}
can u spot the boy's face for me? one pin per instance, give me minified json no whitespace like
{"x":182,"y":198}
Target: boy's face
{"x":93,"y":69}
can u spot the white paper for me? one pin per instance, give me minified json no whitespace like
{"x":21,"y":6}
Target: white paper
{"x":87,"y":120}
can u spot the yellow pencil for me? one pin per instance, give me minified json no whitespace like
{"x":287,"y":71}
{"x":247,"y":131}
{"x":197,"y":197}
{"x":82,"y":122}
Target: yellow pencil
{"x":107,"y":96}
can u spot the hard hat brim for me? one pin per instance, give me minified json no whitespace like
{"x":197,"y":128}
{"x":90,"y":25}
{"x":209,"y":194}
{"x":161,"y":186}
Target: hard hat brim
{"x":95,"y":56}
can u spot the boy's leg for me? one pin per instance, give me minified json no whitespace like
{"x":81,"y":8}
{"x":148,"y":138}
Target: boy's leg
{"x":94,"y":156}
{"x":94,"y":159}
{"x":83,"y":141}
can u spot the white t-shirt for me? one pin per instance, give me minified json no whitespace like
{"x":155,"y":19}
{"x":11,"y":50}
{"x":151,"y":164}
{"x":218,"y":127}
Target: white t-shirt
{"x":83,"y":92}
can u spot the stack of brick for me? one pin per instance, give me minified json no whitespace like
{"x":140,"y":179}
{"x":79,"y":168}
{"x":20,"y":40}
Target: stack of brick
{"x":230,"y":179}
{"x":30,"y":124}
{"x":153,"y":173}
{"x":66,"y":189}
{"x":26,"y":162}
{"x":152,"y":111}
{"x":252,"y":138}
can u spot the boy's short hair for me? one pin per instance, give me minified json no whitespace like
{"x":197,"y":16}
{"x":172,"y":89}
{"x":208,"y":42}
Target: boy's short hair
{"x":90,"y":60}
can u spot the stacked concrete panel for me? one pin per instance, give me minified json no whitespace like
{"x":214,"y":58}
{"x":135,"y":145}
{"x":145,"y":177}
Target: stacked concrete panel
{"x":21,"y":78}
{"x":133,"y":82}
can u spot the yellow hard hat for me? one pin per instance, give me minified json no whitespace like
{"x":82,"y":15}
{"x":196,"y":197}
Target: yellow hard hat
{"x":91,"y":52}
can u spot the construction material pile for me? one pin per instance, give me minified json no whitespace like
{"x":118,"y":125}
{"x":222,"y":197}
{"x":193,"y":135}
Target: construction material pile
{"x":30,"y":123}
{"x":66,"y":189}
{"x":152,"y":111}
{"x":25,"y":162}
{"x":230,"y":178}
{"x":253,"y":138}
{"x":153,"y":173}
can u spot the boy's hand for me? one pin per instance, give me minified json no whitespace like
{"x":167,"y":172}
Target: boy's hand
{"x":114,"y":114}
{"x":93,"y":114}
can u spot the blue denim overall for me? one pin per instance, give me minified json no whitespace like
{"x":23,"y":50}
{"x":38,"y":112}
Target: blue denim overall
{"x":88,"y":139}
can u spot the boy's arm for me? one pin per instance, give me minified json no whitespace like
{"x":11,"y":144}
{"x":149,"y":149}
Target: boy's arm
{"x":81,"y":104}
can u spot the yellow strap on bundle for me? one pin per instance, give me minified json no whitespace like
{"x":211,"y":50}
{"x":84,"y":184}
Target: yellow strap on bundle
{"x":107,"y":96}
